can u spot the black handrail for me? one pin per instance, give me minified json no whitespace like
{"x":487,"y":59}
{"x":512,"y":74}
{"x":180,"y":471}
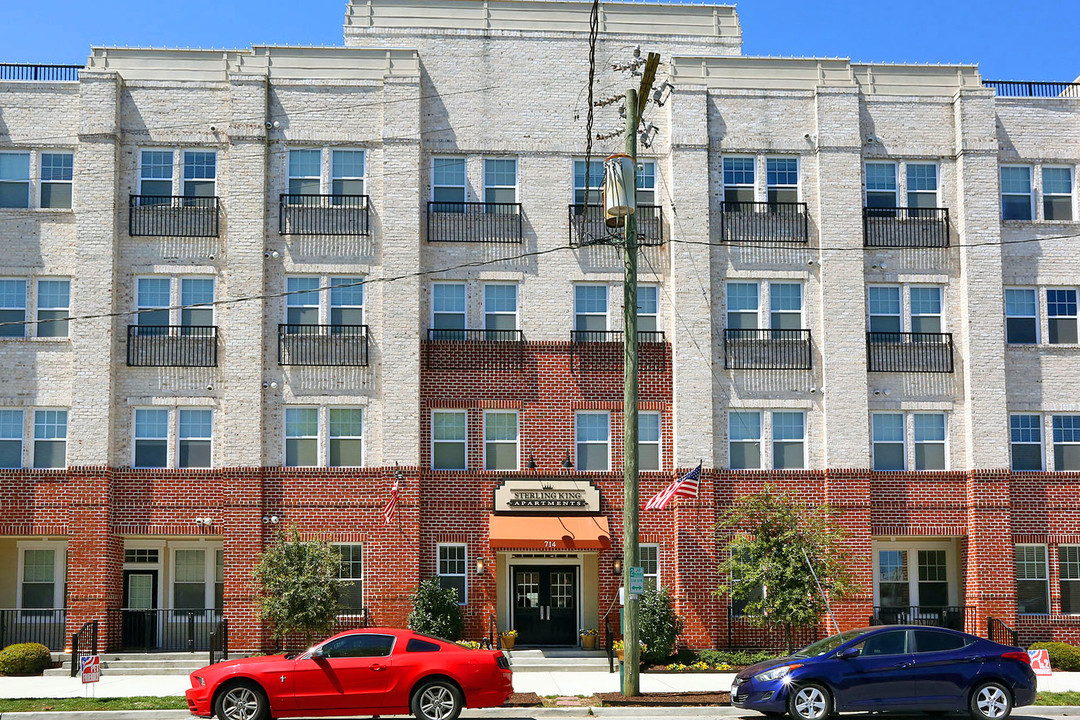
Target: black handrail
{"x":172,"y":346}
{"x":905,"y":227}
{"x":41,"y":73}
{"x":172,"y":216}
{"x":494,"y":638}
{"x":475,"y":222}
{"x":953,"y":617}
{"x":766,"y":349}
{"x":219,"y":642}
{"x":764,"y":222}
{"x":304,"y":214}
{"x":909,"y":352}
{"x":323,"y":345}
{"x":997,"y":631}
{"x":85,"y":639}
{"x":587,"y":226}
{"x":609,"y":643}
{"x":1024,"y":88}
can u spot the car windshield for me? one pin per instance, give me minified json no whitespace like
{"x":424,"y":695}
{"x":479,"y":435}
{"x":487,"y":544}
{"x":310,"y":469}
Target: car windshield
{"x":823,"y":646}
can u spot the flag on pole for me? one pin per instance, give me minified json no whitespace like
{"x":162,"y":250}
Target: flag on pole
{"x":391,"y":504}
{"x":686,"y":486}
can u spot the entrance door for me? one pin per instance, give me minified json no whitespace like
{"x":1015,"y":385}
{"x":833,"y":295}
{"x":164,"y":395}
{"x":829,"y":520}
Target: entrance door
{"x":545,"y":604}
{"x":139,"y":617}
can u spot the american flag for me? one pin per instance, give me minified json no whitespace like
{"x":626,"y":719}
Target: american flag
{"x":686,"y":486}
{"x":391,"y":504}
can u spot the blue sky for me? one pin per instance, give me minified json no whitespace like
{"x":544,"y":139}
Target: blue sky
{"x":1011,"y":40}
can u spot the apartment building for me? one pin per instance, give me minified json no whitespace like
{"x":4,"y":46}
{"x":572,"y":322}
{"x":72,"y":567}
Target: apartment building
{"x":249,"y":289}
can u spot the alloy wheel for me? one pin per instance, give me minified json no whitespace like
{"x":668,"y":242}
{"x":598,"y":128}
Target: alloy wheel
{"x":240,"y":703}
{"x":810,"y":703}
{"x":992,"y":702}
{"x":437,"y":702}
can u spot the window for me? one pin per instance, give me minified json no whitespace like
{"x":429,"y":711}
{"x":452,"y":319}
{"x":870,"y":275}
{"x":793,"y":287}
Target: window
{"x":1057,"y":190}
{"x":152,"y":299}
{"x":591,"y":312}
{"x":933,"y":579}
{"x":1016,"y":193}
{"x":448,"y":311}
{"x":648,"y":308}
{"x":782,"y":180}
{"x":448,"y":428}
{"x":595,"y":182}
{"x":739,"y":180}
{"x":937,"y":641}
{"x":885,"y":316}
{"x":56,"y":171}
{"x":448,"y":184}
{"x":1069,"y":572}
{"x":1026,"y":436}
{"x":200,"y":173}
{"x":922,"y":185}
{"x":500,"y":440}
{"x":1061,"y":316}
{"x":346,"y":437}
{"x":189,"y":579}
{"x":50,"y":438}
{"x":12,"y":306}
{"x":929,"y":441}
{"x":302,"y":301}
{"x":53,"y":307}
{"x":196,"y":433}
{"x":452,"y":570}
{"x":347,"y":172}
{"x":785,"y":306}
{"x":418,"y":645}
{"x":351,"y":578}
{"x":888,"y":441}
{"x":646,"y":183}
{"x":894,"y":589}
{"x":893,"y":642}
{"x":649,"y":557}
{"x":346,"y":301}
{"x":305,"y":171}
{"x":1021,"y":316}
{"x":648,"y":441}
{"x":155,"y":176}
{"x":742,"y":306}
{"x":14,"y":179}
{"x":151,"y":438}
{"x":1066,"y":442}
{"x":11,"y":435}
{"x":500,"y":182}
{"x":301,"y":437}
{"x":140,"y":556}
{"x":196,"y":299}
{"x":744,"y":440}
{"x":359,"y":646}
{"x":756,"y":592}
{"x":1032,"y":581}
{"x":219,"y":579}
{"x":500,"y":311}
{"x":925,"y":309}
{"x":881,"y":188}
{"x":593,"y":433}
{"x":789,"y":440}
{"x":39,"y":579}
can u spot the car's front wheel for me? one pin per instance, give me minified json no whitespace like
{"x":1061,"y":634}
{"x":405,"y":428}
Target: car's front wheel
{"x":242,"y":701}
{"x":991,"y":701}
{"x":809,"y":702}
{"x":437,"y":700}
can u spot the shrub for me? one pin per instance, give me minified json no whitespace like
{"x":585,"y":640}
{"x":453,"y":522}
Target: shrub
{"x":298,"y":587}
{"x":1063,"y":656}
{"x":436,"y":611}
{"x":734,"y":657}
{"x":660,"y":626}
{"x":25,"y":659}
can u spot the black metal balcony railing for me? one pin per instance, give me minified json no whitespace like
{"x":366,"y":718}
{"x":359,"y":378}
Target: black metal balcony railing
{"x":41,"y":73}
{"x":767,"y":349}
{"x":764,"y":222}
{"x":465,"y":349}
{"x":472,"y":336}
{"x":172,"y":346}
{"x":1023,"y":88}
{"x":474,"y":222}
{"x":744,"y":634}
{"x":170,"y":630}
{"x":953,"y":617}
{"x":323,"y":214}
{"x":323,"y":345}
{"x":905,"y":227}
{"x":909,"y":352}
{"x":37,"y":626}
{"x":615,"y":336}
{"x":172,"y":216}
{"x":587,"y":226}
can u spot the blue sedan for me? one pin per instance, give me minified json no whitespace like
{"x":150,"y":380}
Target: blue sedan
{"x":892,"y":668}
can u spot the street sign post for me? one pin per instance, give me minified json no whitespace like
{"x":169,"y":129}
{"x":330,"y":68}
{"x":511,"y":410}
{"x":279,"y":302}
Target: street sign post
{"x":637,"y":580}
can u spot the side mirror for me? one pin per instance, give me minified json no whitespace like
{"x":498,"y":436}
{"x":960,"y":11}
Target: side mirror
{"x":849,"y":653}
{"x":318,"y":654}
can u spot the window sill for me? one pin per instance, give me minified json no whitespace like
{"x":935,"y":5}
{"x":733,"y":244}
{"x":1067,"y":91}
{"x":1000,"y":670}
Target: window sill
{"x":1042,"y":346}
{"x":37,"y":211}
{"x":27,"y":339}
{"x":1038,"y":223}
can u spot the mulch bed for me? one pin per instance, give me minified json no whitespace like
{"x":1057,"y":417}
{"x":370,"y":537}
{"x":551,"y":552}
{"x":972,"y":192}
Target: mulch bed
{"x":524,"y":700}
{"x":671,"y":699}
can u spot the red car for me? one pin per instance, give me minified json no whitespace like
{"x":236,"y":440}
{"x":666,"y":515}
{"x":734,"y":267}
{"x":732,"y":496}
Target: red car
{"x":376,"y":671}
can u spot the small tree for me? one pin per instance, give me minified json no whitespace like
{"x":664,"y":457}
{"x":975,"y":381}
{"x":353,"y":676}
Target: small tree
{"x":436,"y":611}
{"x":298,"y":589}
{"x":777,"y":538}
{"x":660,"y":626}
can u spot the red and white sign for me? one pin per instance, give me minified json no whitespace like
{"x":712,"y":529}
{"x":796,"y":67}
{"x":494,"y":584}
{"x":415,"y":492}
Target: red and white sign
{"x":1040,"y":661}
{"x":90,"y":666}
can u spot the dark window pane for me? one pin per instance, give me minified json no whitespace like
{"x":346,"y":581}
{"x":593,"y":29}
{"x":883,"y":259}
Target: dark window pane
{"x":50,"y":323}
{"x":449,"y":456}
{"x":888,"y":456}
{"x":745,"y":456}
{"x":933,"y":594}
{"x":37,"y":595}
{"x":12,"y":316}
{"x":788,"y":455}
{"x":151,"y":453}
{"x":1062,"y":330}
{"x":50,"y":453}
{"x":929,"y":456}
{"x":58,"y":195}
{"x":1016,"y":207}
{"x":738,"y":195}
{"x":1070,"y":596}
{"x":346,"y":452}
{"x":885,"y":324}
{"x":895,"y":595}
{"x":1026,"y":457}
{"x":351,"y":595}
{"x":418,"y":645}
{"x":1057,"y":208}
{"x":301,"y":452}
{"x":937,"y":641}
{"x":188,"y":596}
{"x":454,"y":581}
{"x":881,"y":200}
{"x":893,"y":642}
{"x":1020,"y":330}
{"x":10,"y":453}
{"x":359,"y":645}
{"x":14,"y":195}
{"x":1031,"y":597}
{"x":194,"y":453}
{"x":648,"y":457}
{"x":783,"y":195}
{"x":1066,"y":457}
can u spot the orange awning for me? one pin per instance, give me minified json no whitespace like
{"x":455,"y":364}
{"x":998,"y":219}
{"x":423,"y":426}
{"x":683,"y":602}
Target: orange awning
{"x":538,"y":532}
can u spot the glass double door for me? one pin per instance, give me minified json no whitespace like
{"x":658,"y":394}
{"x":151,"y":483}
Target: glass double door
{"x":545,"y":604}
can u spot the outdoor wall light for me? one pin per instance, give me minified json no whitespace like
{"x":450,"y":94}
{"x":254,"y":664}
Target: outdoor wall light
{"x":567,"y":465}
{"x":616,"y":565}
{"x":271,"y":519}
{"x":531,"y":465}
{"x":480,"y":566}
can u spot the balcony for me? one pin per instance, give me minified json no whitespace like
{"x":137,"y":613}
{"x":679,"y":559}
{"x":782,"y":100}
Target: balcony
{"x":909,"y":352}
{"x":323,"y":214}
{"x":474,"y":222}
{"x":767,"y":349}
{"x":602,"y":350}
{"x":468,"y":349}
{"x":587,"y":226}
{"x":323,"y":345}
{"x":1023,"y":88}
{"x":765,"y":223}
{"x":39,"y":73}
{"x":24,"y":625}
{"x":953,"y":617}
{"x":164,"y":630}
{"x":905,"y":227}
{"x":172,"y":216}
{"x":172,"y":346}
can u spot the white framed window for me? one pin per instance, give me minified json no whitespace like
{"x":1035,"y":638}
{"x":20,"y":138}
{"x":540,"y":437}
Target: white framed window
{"x":593,"y":182}
{"x":351,"y":578}
{"x":1032,"y":580}
{"x":189,"y":579}
{"x":744,"y":440}
{"x":324,"y":436}
{"x":12,"y":307}
{"x":346,"y":429}
{"x":743,"y":305}
{"x":302,"y":300}
{"x":648,"y":308}
{"x":649,"y":449}
{"x":922,"y":185}
{"x":789,"y":440}
{"x":1026,"y":442}
{"x":739,"y":174}
{"x":646,"y":183}
{"x":888,"y":446}
{"x":649,"y":556}
{"x":12,"y":430}
{"x":155,"y":176}
{"x":14,"y":179}
{"x":157,"y":306}
{"x":747,"y":430}
{"x":199,"y":173}
{"x":1061,"y":316}
{"x":305,"y":172}
{"x":501,"y":440}
{"x":590,"y":312}
{"x":925,"y":301}
{"x":337,"y":301}
{"x":785,"y":306}
{"x":50,"y":438}
{"x":449,"y":440}
{"x":1057,"y":193}
{"x":347,"y":172}
{"x":1066,"y":434}
{"x":453,"y":563}
{"x":881,"y":189}
{"x":1021,"y":316}
{"x":885,"y":309}
{"x":449,"y":315}
{"x":196,"y":300}
{"x":53,"y":307}
{"x":346,"y":301}
{"x":41,"y":575}
{"x":1017,"y":198}
{"x":153,"y":298}
{"x":151,"y":441}
{"x":929,"y":430}
{"x":500,"y":311}
{"x":55,"y":179}
{"x":301,"y":436}
{"x":1069,"y":574}
{"x":592,"y":446}
{"x":500,"y":182}
{"x":448,"y":184}
{"x":196,"y":433}
{"x":782,"y":180}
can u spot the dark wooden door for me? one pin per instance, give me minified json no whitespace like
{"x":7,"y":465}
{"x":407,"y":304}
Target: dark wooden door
{"x":545,"y":604}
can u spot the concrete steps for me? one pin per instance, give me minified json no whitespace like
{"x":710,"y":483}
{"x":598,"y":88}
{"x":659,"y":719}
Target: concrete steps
{"x":527,"y":659}
{"x":142,"y":664}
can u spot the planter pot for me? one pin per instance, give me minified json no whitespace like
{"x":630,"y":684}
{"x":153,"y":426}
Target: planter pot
{"x":618,"y":654}
{"x":508,"y":642}
{"x":588,"y":642}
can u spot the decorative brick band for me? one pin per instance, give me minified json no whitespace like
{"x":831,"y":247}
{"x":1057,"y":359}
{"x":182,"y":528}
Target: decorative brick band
{"x":922,"y":530}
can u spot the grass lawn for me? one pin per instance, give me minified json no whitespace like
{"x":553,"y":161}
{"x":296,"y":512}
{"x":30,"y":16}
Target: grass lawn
{"x":1058,"y":698}
{"x":128,"y":703}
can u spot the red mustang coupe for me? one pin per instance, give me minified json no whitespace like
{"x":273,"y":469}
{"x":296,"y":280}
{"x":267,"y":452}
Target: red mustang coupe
{"x":376,"y":671}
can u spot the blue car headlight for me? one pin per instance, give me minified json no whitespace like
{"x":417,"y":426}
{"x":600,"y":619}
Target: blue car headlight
{"x":776,"y":673}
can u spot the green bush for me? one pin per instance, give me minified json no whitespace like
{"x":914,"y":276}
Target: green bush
{"x":1063,"y":656}
{"x":734,"y":657}
{"x":25,"y":659}
{"x":660,"y":626}
{"x":436,"y":611}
